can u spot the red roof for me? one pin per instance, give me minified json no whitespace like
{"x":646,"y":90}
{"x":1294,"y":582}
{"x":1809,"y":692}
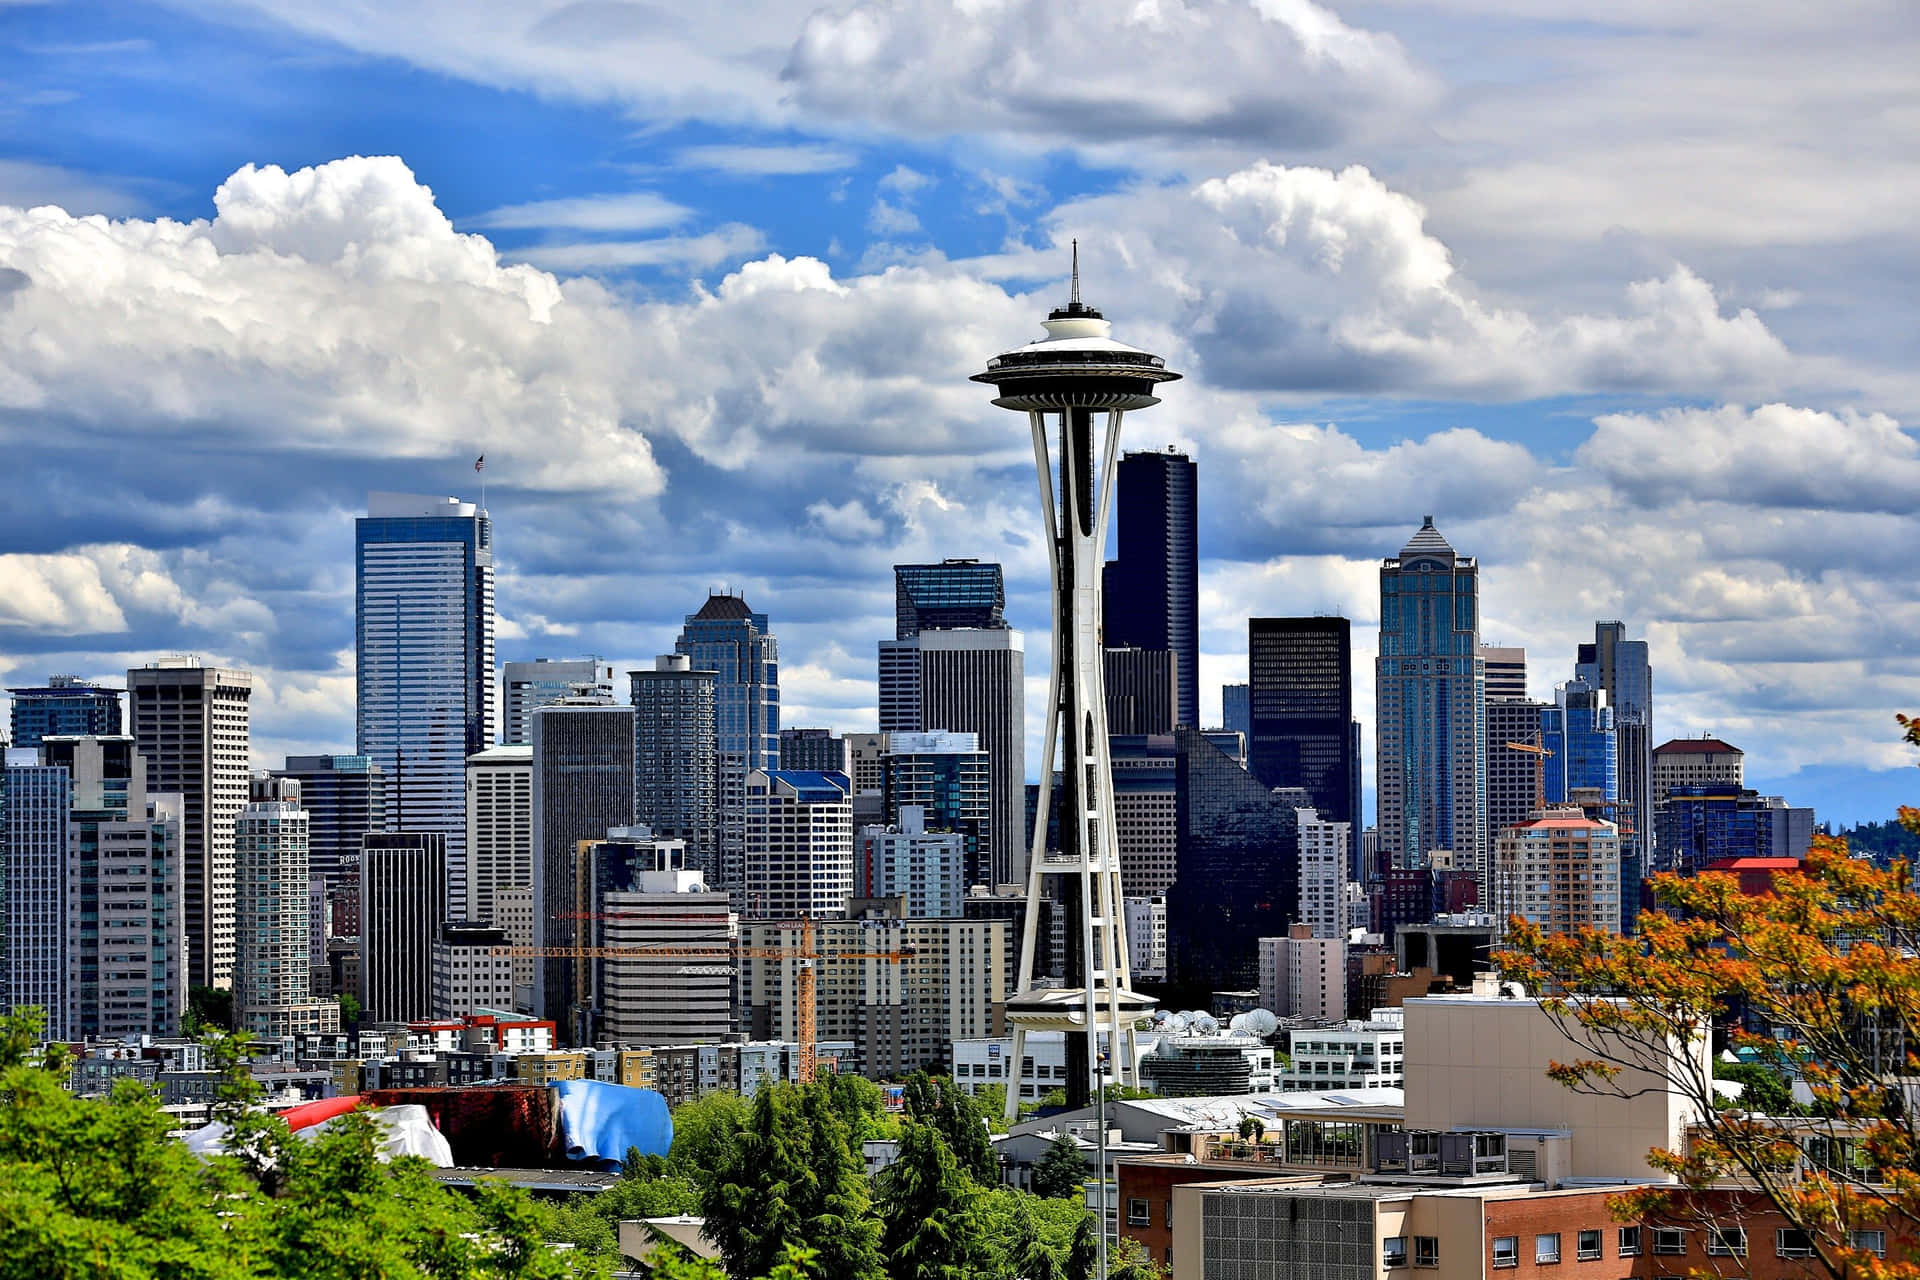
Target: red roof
{"x":1695,"y":747}
{"x":1570,"y":820}
{"x":1755,"y":864}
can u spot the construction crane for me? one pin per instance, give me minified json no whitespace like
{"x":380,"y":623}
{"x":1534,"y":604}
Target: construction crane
{"x":1540,"y":756}
{"x":807,"y":954}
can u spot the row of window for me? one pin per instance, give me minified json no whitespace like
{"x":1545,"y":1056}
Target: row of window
{"x":1722,"y":1242}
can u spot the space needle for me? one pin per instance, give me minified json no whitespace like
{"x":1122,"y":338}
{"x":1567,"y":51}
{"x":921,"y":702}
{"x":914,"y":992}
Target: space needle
{"x":1062,"y":382}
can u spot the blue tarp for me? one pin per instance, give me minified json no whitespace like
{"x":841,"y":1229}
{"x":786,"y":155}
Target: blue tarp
{"x":600,"y":1121}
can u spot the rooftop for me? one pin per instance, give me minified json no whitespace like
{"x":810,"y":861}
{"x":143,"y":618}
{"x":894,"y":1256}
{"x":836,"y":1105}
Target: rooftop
{"x":724,"y":608}
{"x":1427,"y":541}
{"x":1696,"y":747}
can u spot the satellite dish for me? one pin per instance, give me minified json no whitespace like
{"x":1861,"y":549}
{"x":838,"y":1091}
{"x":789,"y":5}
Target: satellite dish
{"x":1206,"y":1024}
{"x":1261,"y":1022}
{"x":1177,"y":1023}
{"x":1238,"y":1022}
{"x":1159,"y":1017}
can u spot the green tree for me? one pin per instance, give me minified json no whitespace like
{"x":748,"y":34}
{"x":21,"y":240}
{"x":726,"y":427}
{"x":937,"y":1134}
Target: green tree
{"x":701,"y":1131}
{"x":787,"y":1178}
{"x":1763,"y":1089}
{"x":929,"y":1227}
{"x":1083,"y":1255}
{"x":349,"y":1010}
{"x":939,"y":1102}
{"x":1016,"y":1222}
{"x":1062,"y":1172}
{"x":208,"y":1009}
{"x":1128,"y":1260}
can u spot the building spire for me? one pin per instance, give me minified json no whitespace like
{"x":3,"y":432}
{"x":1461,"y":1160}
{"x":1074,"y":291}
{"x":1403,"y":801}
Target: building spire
{"x":1073,"y":298}
{"x":1075,"y":309}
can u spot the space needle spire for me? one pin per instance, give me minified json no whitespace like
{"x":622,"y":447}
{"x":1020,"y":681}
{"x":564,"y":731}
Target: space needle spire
{"x":1063,"y":383}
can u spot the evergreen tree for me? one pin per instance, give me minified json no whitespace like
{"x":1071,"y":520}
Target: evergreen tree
{"x":788,"y":1178}
{"x":1084,"y":1255}
{"x":1061,"y":1172}
{"x":948,"y":1108}
{"x":930,"y":1230}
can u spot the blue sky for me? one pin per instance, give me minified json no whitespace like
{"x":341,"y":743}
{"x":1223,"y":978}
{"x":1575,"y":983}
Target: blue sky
{"x":1621,"y":294}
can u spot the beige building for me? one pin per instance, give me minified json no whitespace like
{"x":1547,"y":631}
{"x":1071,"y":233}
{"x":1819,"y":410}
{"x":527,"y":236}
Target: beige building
{"x":1303,"y":976}
{"x":901,"y":990}
{"x":1693,"y":762}
{"x":514,"y":911}
{"x":1559,"y":870}
{"x":470,"y":972}
{"x":499,"y":828}
{"x":1146,"y":826}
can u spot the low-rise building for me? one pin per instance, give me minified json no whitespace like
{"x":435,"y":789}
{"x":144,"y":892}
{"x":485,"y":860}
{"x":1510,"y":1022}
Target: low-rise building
{"x":1342,"y":1056}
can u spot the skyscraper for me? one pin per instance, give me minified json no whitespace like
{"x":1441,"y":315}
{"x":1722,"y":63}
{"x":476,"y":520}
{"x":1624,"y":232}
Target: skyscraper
{"x":975,"y":682}
{"x":424,"y":645}
{"x":526,"y":685}
{"x":1323,"y":875}
{"x":729,"y":639}
{"x":813,"y":750}
{"x":1236,"y":708}
{"x":582,"y":787}
{"x":947,"y":596}
{"x":403,"y":903}
{"x":799,"y":845}
{"x":1143,"y":690}
{"x":1300,"y":698}
{"x":65,"y":705}
{"x":1153,"y":584}
{"x":1578,"y":730}
{"x":1622,"y":669}
{"x":1430,"y":689}
{"x":38,"y":816}
{"x":949,"y":778}
{"x":272,"y":990}
{"x":1516,"y":780}
{"x":344,"y":798}
{"x":662,"y":905}
{"x":499,"y":826}
{"x":190,"y":723}
{"x":676,"y":758}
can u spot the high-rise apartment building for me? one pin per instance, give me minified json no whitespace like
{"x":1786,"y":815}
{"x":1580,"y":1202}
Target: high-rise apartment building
{"x":1579,"y":730}
{"x":950,"y":780}
{"x":1561,"y":871}
{"x":403,"y":903}
{"x":423,"y":642}
{"x":676,"y":757}
{"x":273,"y":953}
{"x":909,"y":860}
{"x":499,"y":826}
{"x":1143,"y":690}
{"x":527,"y":685}
{"x":1300,"y":693}
{"x":1236,"y":708}
{"x":1623,"y":670}
{"x":1147,"y":936}
{"x":659,"y":903}
{"x":1152,"y":586}
{"x":344,"y":797}
{"x":1431,"y":723}
{"x":66,"y":706}
{"x":954,"y":594}
{"x":582,"y":786}
{"x":190,"y":722}
{"x":799,"y":845}
{"x":1238,"y":871}
{"x":1146,"y":823}
{"x":1506,"y":668}
{"x":38,"y":818}
{"x":1324,"y":850}
{"x":813,"y":751}
{"x":1304,"y":975}
{"x":729,"y":639}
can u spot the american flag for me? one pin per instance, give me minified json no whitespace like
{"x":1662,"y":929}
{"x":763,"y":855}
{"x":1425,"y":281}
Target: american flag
{"x":480,"y":463}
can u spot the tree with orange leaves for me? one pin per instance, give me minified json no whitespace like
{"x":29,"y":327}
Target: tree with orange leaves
{"x":1821,"y":979}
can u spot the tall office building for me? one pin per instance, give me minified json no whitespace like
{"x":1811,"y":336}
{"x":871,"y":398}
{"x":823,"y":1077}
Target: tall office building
{"x":1506,"y":667}
{"x":813,"y":750}
{"x":1430,"y":691}
{"x":867,"y":760}
{"x":908,"y":859}
{"x":1623,"y":670}
{"x":190,"y":723}
{"x":975,"y":682}
{"x":526,"y":685}
{"x":1688,"y":762}
{"x":662,"y":904}
{"x":64,"y":706}
{"x":799,"y":845}
{"x":1323,"y":875}
{"x":403,"y":903}
{"x":582,"y":787}
{"x":499,"y":842}
{"x":1300,"y":697}
{"x":1236,"y":708}
{"x":1143,"y":690}
{"x":1578,"y":729}
{"x":424,"y":645}
{"x":676,"y":757}
{"x":1516,"y":779}
{"x":1704,"y":823}
{"x":950,"y":780}
{"x":38,"y":818}
{"x":272,"y":971}
{"x":1146,"y":825}
{"x":954,"y":594}
{"x":729,"y":639}
{"x":1237,"y":877}
{"x":344,"y":797}
{"x":1152,"y":586}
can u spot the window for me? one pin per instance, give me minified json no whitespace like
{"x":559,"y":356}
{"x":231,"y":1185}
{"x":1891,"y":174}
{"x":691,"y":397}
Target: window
{"x":1426,"y":1251}
{"x":1790,"y":1242}
{"x":1629,"y":1242}
{"x":1670,"y":1241}
{"x":1726,"y":1242}
{"x":1873,"y":1242}
{"x":1138,"y":1214}
{"x":1587,"y":1247}
{"x":1395,"y":1253}
{"x":1546,"y":1247}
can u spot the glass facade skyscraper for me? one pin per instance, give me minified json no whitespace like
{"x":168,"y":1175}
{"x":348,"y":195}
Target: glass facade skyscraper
{"x":1431,"y":723}
{"x":1300,"y":711}
{"x":64,"y":706}
{"x":1622,"y":669}
{"x":1578,"y":730}
{"x":941,"y":597}
{"x":729,"y":639}
{"x":1152,"y":584}
{"x":424,"y":641}
{"x":676,"y":758}
{"x":949,"y":779}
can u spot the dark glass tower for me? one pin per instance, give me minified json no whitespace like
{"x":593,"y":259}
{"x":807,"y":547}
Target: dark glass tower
{"x":729,"y":639}
{"x":65,"y":707}
{"x":1236,"y":875}
{"x":945,"y":596}
{"x":1300,"y":711}
{"x":1153,"y":583}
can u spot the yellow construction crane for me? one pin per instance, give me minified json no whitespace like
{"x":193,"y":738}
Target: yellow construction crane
{"x":1540,"y":755}
{"x":806,"y":954}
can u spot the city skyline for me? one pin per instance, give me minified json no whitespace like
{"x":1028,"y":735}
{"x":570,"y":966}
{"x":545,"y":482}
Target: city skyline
{"x":1498,"y":297}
